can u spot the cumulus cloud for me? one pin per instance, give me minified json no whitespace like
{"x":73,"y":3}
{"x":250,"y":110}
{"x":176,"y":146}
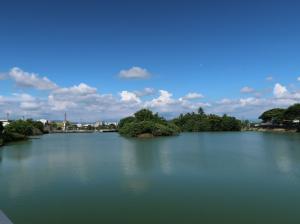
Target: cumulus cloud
{"x":164,"y":99}
{"x":247,"y":89}
{"x":145,"y":92}
{"x":127,"y":96}
{"x":192,"y":96}
{"x":134,"y":73}
{"x":280,"y":90}
{"x":84,"y":102}
{"x":81,"y":89}
{"x":25,"y":79}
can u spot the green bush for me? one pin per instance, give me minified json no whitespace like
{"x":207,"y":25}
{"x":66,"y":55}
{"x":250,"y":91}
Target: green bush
{"x":145,"y":122}
{"x":192,"y":122}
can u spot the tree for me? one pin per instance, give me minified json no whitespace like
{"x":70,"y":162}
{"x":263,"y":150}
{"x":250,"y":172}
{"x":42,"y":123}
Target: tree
{"x":275,"y":115}
{"x":292,"y":113}
{"x":145,"y":122}
{"x":1,"y":129}
{"x":144,"y":115}
{"x":200,"y":111}
{"x":20,"y":127}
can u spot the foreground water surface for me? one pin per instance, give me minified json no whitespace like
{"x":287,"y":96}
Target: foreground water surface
{"x":206,"y":178}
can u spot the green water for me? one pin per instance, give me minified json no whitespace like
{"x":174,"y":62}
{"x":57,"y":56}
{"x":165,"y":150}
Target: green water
{"x":192,"y":178}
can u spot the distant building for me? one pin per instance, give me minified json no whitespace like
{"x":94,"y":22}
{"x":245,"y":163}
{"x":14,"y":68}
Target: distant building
{"x":97,"y":124}
{"x":44,"y":121}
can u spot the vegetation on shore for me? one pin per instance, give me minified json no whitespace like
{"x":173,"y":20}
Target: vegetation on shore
{"x":145,"y":123}
{"x":20,"y":130}
{"x":286,"y":118}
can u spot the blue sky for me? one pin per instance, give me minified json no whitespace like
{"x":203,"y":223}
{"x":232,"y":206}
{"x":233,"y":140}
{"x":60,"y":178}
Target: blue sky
{"x":211,"y":48}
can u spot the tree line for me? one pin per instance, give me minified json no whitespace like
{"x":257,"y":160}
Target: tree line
{"x":147,"y":122}
{"x":286,"y":118}
{"x":20,"y":130}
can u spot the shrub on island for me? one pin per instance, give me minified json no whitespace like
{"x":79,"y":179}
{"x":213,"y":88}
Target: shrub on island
{"x":198,"y":122}
{"x":146,"y":124}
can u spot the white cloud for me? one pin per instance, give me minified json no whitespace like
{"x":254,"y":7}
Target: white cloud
{"x":84,"y":102}
{"x":298,"y":78}
{"x":127,"y":96}
{"x":269,"y":78}
{"x":134,"y":73}
{"x":81,"y":89}
{"x":25,"y":79}
{"x":192,"y":96}
{"x":280,"y":91}
{"x":165,"y":98}
{"x":247,"y":89}
{"x":145,"y":92}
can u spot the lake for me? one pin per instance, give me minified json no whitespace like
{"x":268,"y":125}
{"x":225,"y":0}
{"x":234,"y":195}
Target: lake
{"x":238,"y":177}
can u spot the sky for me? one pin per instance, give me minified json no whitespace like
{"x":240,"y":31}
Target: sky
{"x":103,"y":60}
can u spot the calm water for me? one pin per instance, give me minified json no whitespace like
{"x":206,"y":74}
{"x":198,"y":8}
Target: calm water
{"x":192,"y":178}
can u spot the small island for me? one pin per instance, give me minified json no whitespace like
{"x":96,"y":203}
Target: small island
{"x":145,"y":123}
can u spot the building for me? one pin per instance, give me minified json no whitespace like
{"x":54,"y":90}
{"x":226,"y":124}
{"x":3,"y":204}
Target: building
{"x":44,"y":121}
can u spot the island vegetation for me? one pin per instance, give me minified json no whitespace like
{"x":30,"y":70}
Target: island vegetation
{"x":20,"y":130}
{"x":146,"y":123}
{"x":197,"y":122}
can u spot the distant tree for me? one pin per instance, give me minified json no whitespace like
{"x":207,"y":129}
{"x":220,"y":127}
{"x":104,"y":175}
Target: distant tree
{"x":192,"y":122}
{"x":126,"y":120}
{"x":144,"y":115}
{"x":1,"y":129}
{"x":293,"y":112}
{"x":145,"y":122}
{"x":201,"y":111}
{"x":21,"y":127}
{"x":275,"y":115}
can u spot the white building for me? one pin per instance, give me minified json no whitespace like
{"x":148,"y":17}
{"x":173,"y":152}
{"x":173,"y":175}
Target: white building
{"x":44,"y":121}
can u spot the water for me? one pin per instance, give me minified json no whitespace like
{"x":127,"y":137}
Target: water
{"x":206,"y":178}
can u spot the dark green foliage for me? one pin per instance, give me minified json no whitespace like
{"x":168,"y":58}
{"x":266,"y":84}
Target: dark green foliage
{"x":192,"y":122}
{"x":11,"y":137}
{"x":37,"y":124}
{"x":200,"y":111}
{"x":20,"y":127}
{"x":293,"y":112}
{"x":145,"y":122}
{"x":275,"y":115}
{"x":1,"y":129}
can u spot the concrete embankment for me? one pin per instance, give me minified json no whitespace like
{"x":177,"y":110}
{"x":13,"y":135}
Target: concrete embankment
{"x":271,"y":130}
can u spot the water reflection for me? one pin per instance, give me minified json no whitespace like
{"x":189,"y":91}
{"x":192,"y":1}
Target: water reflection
{"x":18,"y":151}
{"x":141,"y":158}
{"x":1,"y":151}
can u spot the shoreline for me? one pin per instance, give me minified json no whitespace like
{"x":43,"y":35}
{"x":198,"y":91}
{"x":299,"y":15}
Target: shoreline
{"x":277,"y":130}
